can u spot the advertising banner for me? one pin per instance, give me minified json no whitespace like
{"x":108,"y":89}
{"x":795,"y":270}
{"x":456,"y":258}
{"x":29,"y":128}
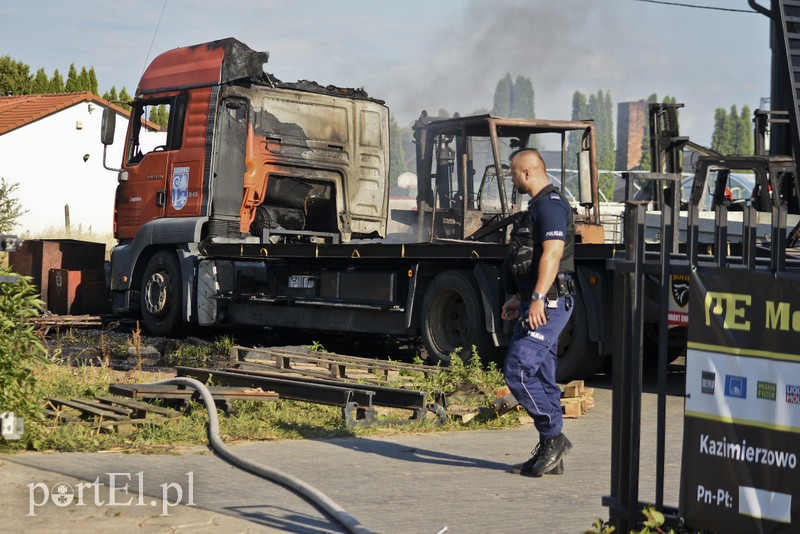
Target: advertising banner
{"x":741,"y":442}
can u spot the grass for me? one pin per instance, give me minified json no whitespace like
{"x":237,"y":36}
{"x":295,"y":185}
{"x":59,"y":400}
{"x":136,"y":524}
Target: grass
{"x":248,"y":420}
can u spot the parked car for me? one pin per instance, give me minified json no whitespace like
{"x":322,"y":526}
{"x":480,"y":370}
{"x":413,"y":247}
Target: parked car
{"x":739,"y":189}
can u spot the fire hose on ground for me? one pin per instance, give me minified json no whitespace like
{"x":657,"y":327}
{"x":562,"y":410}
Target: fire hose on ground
{"x":312,"y":494}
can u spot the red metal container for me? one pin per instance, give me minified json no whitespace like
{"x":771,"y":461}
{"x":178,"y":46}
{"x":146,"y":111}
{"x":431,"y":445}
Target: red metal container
{"x":36,"y":257}
{"x":77,"y":292}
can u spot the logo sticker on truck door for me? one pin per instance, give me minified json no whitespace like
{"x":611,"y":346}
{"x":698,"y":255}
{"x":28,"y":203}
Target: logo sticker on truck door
{"x":180,"y":187}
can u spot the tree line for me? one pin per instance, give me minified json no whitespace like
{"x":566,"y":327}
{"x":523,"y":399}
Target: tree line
{"x":512,"y":98}
{"x":515,"y":97}
{"x":16,"y":79}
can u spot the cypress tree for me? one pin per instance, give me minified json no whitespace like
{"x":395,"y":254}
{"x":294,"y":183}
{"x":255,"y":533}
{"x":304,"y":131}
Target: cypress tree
{"x":606,"y":133}
{"x":125,"y":97}
{"x":57,"y":83}
{"x":111,"y":95}
{"x":396,"y":153}
{"x":502,"y":97}
{"x":719,"y":127}
{"x":744,"y":139}
{"x":15,"y":78}
{"x":600,"y":111}
{"x":646,"y":163}
{"x":579,"y":112}
{"x":93,"y":86}
{"x":41,"y":83}
{"x":522,"y":99}
{"x":84,"y":82}
{"x":73,"y":82}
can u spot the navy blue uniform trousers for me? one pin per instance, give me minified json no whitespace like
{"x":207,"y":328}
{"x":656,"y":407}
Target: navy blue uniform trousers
{"x":530,"y":368}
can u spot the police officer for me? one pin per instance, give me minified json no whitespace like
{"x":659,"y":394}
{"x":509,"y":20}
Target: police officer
{"x":540,"y":264}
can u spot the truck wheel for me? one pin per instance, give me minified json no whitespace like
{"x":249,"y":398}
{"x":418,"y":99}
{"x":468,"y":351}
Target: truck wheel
{"x":577,"y":355}
{"x":452,"y":317}
{"x":161,"y":294}
{"x":676,"y":344}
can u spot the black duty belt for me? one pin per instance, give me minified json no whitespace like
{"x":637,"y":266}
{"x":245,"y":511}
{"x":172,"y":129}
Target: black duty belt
{"x":563,"y":285}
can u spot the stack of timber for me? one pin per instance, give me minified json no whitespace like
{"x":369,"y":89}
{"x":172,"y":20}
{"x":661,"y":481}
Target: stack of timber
{"x":576,"y":399}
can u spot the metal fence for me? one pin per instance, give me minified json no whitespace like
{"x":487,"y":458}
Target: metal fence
{"x":653,"y":264}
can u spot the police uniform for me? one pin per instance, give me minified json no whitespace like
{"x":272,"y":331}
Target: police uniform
{"x":530,"y":366}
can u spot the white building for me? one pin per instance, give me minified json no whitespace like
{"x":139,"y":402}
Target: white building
{"x":50,"y":146}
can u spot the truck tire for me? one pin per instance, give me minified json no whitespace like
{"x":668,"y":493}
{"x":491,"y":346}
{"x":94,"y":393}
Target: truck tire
{"x":452,"y":318}
{"x":578,"y":356}
{"x":676,"y":344}
{"x":161,"y":294}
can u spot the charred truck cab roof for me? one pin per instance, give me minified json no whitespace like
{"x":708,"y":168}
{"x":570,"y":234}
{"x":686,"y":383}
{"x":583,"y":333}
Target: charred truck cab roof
{"x":248,"y":157}
{"x":203,"y":65}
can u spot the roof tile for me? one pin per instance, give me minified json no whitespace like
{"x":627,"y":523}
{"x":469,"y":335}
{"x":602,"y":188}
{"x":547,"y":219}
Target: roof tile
{"x":18,"y":111}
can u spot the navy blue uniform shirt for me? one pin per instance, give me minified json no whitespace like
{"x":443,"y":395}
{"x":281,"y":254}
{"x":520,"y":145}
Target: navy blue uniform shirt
{"x":549,"y":216}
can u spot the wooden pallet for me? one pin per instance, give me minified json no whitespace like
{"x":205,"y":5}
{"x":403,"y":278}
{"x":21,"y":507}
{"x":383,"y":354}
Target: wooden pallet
{"x":179,"y":396}
{"x":576,"y":399}
{"x":324,"y":365}
{"x":109,"y":413}
{"x":65,"y":321}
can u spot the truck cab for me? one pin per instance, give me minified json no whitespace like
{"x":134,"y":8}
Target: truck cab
{"x":244,"y":158}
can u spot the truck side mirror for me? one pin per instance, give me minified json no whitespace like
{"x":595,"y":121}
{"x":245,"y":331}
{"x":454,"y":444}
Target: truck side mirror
{"x":107,"y":126}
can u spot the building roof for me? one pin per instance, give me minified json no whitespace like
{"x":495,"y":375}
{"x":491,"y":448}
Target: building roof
{"x":18,"y":111}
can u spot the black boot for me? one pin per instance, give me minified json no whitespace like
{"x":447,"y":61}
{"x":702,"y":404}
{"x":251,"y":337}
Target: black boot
{"x":551,"y":453}
{"x":526,"y":468}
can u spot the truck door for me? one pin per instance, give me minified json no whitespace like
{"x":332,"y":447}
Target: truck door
{"x":148,"y":189}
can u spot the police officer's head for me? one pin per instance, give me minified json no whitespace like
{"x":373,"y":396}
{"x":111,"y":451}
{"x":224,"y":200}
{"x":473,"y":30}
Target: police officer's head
{"x":528,"y":171}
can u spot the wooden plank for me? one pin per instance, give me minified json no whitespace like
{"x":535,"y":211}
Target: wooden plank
{"x":572,"y":389}
{"x":62,"y":416}
{"x":144,"y":391}
{"x":235,"y":393}
{"x":166,"y":391}
{"x":120,"y":410}
{"x":139,"y":406}
{"x":571,"y":407}
{"x":125,"y":426}
{"x":86,"y":408}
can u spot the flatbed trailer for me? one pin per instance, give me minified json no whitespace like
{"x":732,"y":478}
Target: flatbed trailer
{"x":429,"y":290}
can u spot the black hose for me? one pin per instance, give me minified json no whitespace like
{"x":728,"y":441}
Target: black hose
{"x":315,"y":496}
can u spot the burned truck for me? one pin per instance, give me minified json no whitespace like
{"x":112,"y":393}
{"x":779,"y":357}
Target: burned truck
{"x":267,"y":206}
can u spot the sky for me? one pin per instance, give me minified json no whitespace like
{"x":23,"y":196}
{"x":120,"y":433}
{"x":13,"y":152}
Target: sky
{"x":429,"y":54}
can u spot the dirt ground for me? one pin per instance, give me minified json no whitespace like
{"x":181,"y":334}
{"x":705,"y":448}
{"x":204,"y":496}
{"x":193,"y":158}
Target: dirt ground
{"x":122,"y":343}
